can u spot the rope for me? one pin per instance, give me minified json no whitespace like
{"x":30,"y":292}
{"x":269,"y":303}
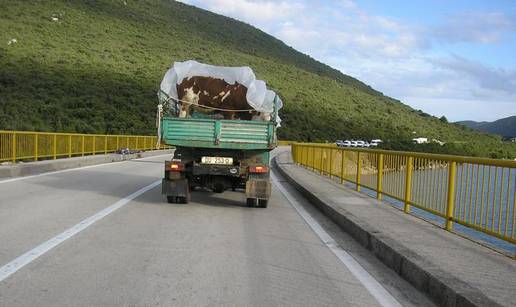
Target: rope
{"x":208,"y":107}
{"x":158,"y":124}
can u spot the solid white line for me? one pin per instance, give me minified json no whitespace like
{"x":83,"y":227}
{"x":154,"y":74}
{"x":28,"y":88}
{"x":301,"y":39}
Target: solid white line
{"x":383,"y":297}
{"x":21,"y":261}
{"x":75,"y":169}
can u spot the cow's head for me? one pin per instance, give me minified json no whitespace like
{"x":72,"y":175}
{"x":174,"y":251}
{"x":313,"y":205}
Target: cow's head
{"x":189,"y":98}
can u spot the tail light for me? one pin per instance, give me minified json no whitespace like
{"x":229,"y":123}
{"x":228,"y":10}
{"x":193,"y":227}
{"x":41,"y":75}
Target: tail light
{"x":174,"y":166}
{"x":258,"y":169}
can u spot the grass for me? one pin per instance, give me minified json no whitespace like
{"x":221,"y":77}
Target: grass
{"x":98,"y":68}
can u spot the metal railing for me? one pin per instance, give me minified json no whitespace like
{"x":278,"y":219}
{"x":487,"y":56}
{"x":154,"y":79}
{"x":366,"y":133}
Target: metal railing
{"x":477,"y":193}
{"x":34,"y":146}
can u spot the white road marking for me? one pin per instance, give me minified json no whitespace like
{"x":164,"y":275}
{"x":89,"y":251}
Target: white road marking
{"x":383,"y":297}
{"x":75,"y":169}
{"x":21,"y":261}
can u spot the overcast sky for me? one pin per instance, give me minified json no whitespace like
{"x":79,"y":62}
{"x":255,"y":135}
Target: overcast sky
{"x":454,"y":58}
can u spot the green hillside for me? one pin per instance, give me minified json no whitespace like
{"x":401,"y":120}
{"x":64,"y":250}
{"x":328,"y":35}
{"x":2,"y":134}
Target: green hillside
{"x":98,"y":67}
{"x":505,"y":127}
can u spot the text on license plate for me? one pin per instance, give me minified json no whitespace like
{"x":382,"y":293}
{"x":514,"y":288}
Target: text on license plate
{"x":217,"y":160}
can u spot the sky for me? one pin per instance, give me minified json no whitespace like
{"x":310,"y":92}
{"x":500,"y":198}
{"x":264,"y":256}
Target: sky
{"x":455,"y":58}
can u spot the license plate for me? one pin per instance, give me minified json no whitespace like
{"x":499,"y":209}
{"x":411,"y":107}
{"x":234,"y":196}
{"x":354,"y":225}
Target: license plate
{"x":217,"y":160}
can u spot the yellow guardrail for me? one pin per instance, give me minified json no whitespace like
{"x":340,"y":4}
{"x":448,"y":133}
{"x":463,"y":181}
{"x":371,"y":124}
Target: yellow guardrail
{"x":477,"y":193}
{"x":26,"y":145}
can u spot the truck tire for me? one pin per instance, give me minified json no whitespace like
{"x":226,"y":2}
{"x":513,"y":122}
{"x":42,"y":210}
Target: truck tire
{"x":251,"y":202}
{"x":182,"y":200}
{"x":219,"y":188}
{"x":179,"y":199}
{"x":171,"y":199}
{"x":262,"y":203}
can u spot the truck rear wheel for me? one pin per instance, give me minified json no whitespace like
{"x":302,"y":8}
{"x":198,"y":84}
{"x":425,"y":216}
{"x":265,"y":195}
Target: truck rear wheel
{"x":251,"y":202}
{"x":178,"y":199}
{"x":255,"y":202}
{"x":219,"y":188}
{"x":171,"y":199}
{"x":262,"y":203}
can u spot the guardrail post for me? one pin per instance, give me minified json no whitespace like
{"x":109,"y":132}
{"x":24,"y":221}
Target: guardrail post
{"x":359,"y":170}
{"x":379,"y":177}
{"x":70,"y":146}
{"x":117,"y":142}
{"x":55,"y":146}
{"x":94,"y":149}
{"x":14,"y":147}
{"x":321,"y":162}
{"x":331,"y":161}
{"x":313,"y":158}
{"x":408,"y":184}
{"x":304,"y":154}
{"x":452,"y":171}
{"x":82,"y":146}
{"x":105,"y":144}
{"x":342,"y":165}
{"x":36,"y":145}
{"x":137,"y":143}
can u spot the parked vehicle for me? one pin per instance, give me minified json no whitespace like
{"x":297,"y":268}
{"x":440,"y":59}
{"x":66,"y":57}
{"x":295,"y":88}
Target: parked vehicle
{"x":346,"y":143}
{"x":375,"y":142}
{"x":354,"y":144}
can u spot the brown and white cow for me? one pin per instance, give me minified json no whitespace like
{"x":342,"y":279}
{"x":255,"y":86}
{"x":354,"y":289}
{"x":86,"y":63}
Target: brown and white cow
{"x":216,"y":93}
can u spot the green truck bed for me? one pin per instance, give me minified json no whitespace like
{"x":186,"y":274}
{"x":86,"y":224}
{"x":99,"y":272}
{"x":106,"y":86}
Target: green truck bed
{"x":222,"y":134}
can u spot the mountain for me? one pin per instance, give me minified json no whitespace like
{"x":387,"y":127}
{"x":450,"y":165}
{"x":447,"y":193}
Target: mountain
{"x":505,"y":127}
{"x":95,"y":67}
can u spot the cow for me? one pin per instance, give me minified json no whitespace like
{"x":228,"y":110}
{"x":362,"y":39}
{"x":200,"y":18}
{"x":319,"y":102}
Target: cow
{"x":216,"y":93}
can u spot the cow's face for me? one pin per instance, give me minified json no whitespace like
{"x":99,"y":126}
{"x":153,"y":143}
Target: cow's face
{"x":191,"y":96}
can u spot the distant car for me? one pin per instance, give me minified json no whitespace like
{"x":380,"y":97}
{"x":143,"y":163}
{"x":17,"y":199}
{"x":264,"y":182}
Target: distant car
{"x":360,"y":143}
{"x":354,"y":144}
{"x":375,"y":142}
{"x":346,"y":143}
{"x":366,"y":144}
{"x":339,"y":143}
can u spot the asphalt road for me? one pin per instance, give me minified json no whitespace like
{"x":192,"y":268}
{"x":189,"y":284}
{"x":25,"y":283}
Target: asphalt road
{"x":85,"y":238}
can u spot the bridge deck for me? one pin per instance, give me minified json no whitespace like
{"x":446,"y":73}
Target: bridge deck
{"x":213,"y":251}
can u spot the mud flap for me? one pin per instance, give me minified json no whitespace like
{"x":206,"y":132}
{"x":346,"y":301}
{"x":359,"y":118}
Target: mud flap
{"x":258,"y":188}
{"x":176,"y":187}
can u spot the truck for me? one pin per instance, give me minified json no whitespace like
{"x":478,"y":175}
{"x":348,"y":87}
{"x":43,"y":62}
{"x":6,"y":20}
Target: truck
{"x":216,"y":152}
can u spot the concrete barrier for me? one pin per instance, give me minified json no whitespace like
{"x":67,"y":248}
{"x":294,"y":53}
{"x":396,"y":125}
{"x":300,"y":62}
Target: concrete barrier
{"x":35,"y":168}
{"x":440,"y":286}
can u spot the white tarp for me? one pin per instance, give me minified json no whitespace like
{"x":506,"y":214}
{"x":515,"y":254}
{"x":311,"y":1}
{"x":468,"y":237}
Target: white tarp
{"x":258,"y":96}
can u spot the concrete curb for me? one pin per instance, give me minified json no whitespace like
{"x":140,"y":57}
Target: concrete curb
{"x":440,"y":286}
{"x":35,"y":168}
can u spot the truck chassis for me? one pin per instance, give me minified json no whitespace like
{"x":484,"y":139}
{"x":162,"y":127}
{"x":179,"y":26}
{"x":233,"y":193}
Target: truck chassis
{"x":249,"y":169}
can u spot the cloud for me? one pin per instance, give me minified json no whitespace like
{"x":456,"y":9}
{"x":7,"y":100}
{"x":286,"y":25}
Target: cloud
{"x":489,"y":79}
{"x":476,"y":27}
